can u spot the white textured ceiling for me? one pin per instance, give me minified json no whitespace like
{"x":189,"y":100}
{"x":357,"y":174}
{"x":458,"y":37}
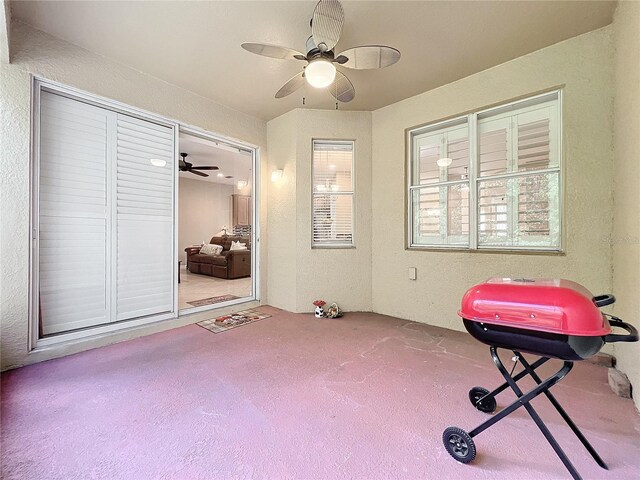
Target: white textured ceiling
{"x":196,"y":45}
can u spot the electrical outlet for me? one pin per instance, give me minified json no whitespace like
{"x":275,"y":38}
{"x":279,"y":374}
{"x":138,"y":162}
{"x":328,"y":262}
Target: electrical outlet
{"x":413,"y":273}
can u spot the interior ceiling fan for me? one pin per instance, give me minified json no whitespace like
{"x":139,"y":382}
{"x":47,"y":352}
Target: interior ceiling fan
{"x":188,"y":167}
{"x":320,"y":71}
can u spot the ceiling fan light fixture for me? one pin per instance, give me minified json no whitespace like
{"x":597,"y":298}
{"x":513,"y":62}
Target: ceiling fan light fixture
{"x":158,"y":162}
{"x":320,"y":73}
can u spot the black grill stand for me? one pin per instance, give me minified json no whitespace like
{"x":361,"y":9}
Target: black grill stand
{"x":460,"y":444}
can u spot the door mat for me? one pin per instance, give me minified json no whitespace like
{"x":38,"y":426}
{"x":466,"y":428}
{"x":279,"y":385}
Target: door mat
{"x":233,"y":320}
{"x":212,"y":300}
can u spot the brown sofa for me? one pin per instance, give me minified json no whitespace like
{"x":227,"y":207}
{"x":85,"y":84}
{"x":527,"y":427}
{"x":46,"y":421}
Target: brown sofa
{"x":229,"y":264}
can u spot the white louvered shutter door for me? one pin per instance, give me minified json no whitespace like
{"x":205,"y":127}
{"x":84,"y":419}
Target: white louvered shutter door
{"x":73,"y":258}
{"x":144,"y":218}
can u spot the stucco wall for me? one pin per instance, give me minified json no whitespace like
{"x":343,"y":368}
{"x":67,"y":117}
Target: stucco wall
{"x":626,"y":230}
{"x":583,"y":65}
{"x":38,"y":53}
{"x":282,"y":214}
{"x":335,"y":275}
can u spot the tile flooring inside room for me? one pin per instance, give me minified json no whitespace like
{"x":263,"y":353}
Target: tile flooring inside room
{"x":194,"y":287}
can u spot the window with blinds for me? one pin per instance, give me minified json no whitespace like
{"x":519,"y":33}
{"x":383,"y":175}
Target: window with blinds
{"x":511,"y":164}
{"x":333,"y":193}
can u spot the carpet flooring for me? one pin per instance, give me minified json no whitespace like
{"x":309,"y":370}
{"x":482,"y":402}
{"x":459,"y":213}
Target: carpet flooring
{"x":292,"y":396}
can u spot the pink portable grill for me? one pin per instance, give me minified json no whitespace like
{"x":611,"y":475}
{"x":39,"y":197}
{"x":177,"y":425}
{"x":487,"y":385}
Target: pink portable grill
{"x":548,"y":318}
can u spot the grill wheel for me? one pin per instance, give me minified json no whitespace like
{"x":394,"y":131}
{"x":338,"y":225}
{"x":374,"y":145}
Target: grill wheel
{"x":459,"y":444}
{"x":487,"y":405}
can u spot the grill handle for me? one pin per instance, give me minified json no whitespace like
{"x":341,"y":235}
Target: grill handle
{"x":612,"y":337}
{"x":604,"y":300}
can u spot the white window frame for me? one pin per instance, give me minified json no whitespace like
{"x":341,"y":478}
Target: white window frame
{"x":352,"y":193}
{"x":472,"y":119}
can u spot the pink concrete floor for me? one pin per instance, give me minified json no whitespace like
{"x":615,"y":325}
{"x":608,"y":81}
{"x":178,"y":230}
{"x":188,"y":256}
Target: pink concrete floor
{"x":365,"y":396}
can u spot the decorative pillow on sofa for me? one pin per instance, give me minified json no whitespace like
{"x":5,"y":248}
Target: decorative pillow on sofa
{"x":211,"y":249}
{"x":238,"y":246}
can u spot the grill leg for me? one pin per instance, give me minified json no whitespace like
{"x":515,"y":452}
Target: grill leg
{"x":523,"y":401}
{"x":519,"y":376}
{"x":530,"y":369}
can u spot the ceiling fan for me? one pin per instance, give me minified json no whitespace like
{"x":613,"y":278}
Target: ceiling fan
{"x":188,"y":167}
{"x":320,"y":71}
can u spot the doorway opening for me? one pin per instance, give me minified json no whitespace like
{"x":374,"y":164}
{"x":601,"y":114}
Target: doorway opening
{"x":216,"y":227}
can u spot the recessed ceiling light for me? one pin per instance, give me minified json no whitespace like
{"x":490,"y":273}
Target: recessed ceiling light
{"x":444,"y":162}
{"x":220,"y":175}
{"x":158,"y":162}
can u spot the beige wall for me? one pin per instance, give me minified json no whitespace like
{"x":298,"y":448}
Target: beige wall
{"x":626,"y":214}
{"x":583,"y":65}
{"x":204,"y":208}
{"x":298,"y":274}
{"x":281,"y":217}
{"x":34,"y":52}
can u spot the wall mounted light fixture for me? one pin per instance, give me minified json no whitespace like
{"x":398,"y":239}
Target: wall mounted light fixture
{"x":276,"y":175}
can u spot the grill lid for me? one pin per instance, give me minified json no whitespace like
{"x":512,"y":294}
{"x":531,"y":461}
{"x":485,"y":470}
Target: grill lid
{"x":545,"y":305}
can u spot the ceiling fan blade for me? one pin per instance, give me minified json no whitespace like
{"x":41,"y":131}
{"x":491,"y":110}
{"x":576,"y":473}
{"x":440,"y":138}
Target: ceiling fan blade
{"x":205,"y":167}
{"x":291,"y":86}
{"x":326,"y":24}
{"x":273,"y":51}
{"x":370,"y":56}
{"x":342,"y":88}
{"x":195,"y":172}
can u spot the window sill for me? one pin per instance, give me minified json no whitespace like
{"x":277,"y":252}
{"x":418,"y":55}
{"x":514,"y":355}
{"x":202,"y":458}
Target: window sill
{"x":502,"y":251}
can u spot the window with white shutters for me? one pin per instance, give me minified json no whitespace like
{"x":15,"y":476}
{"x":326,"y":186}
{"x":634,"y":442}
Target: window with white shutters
{"x":440,"y":185}
{"x":508,"y":157}
{"x":333,"y":193}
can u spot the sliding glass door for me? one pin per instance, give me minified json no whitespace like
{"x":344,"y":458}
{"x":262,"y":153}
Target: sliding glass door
{"x":104,"y":230}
